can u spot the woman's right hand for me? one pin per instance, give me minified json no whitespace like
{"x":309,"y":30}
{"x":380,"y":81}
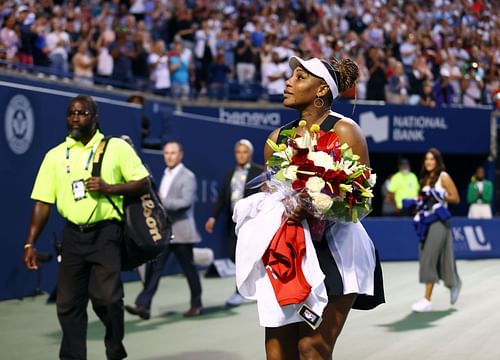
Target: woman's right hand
{"x":298,"y":212}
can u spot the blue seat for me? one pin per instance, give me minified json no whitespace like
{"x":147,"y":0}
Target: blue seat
{"x":244,"y":92}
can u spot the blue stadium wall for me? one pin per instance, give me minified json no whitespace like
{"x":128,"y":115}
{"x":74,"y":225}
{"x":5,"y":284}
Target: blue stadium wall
{"x":33,"y":115}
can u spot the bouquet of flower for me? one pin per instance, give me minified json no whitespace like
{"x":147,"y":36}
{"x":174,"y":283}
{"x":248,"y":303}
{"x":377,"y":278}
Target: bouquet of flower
{"x":335,"y":184}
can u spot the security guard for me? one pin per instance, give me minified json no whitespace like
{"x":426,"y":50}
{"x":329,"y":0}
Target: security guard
{"x":90,"y":267}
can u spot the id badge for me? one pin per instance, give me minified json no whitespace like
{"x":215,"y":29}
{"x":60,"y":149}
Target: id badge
{"x":309,"y":316}
{"x":78,"y":187}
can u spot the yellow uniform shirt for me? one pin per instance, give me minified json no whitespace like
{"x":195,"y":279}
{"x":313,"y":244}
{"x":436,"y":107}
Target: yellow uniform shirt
{"x":404,"y":186}
{"x":71,"y":162}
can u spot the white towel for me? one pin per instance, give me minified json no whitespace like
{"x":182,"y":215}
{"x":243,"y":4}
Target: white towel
{"x":257,"y":219}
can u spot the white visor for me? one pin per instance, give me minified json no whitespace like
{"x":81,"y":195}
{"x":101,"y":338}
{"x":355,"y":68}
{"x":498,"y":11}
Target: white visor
{"x":316,"y":67}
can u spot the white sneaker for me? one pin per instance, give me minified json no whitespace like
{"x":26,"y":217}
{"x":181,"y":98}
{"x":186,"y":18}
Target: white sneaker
{"x":423,"y":305}
{"x":454,"y":292}
{"x":236,"y":299}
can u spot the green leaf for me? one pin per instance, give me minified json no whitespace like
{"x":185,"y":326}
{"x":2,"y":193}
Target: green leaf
{"x":274,"y":161}
{"x":272,"y":145}
{"x":291,"y":133}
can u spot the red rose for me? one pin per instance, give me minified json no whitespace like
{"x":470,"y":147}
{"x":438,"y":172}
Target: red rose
{"x":300,"y":157}
{"x":299,"y":185}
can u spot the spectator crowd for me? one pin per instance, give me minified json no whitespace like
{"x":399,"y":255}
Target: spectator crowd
{"x":432,"y":53}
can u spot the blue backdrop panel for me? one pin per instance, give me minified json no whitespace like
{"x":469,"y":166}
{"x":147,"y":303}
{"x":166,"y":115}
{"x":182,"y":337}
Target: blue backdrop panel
{"x":397,"y":129}
{"x":395,"y":238}
{"x":33,"y":121}
{"x":416,"y":129}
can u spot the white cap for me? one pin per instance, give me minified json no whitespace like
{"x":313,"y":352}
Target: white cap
{"x":318,"y":68}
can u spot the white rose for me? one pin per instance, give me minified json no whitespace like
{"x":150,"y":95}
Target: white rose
{"x":315,"y":184}
{"x":321,"y":201}
{"x":290,"y":172}
{"x":321,"y":158}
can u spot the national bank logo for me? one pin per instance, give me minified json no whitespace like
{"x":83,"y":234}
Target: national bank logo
{"x":471,"y":236}
{"x":375,"y":127}
{"x":402,"y":128}
{"x":19,"y":124}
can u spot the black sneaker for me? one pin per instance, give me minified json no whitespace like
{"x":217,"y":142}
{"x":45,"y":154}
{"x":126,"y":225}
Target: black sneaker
{"x":139,"y":310}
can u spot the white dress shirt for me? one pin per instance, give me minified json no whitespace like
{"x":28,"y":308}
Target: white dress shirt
{"x":166,"y":181}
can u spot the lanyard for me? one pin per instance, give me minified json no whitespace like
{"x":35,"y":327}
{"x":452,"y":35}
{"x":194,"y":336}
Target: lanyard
{"x":68,"y":169}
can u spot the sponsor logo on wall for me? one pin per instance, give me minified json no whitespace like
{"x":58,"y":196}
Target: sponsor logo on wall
{"x":375,"y":127}
{"x":471,"y":238}
{"x":19,"y":124}
{"x":259,"y":119}
{"x":399,"y":128}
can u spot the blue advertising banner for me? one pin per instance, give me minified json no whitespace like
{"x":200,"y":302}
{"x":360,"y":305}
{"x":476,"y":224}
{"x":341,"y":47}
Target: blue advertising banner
{"x":395,"y":238}
{"x":413,"y":129}
{"x":400,"y":129}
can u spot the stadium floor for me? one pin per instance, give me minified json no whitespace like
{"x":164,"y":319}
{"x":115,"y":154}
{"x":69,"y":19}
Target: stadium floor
{"x":467,"y":331}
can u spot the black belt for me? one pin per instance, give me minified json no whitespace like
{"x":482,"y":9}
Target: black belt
{"x":84,"y":228}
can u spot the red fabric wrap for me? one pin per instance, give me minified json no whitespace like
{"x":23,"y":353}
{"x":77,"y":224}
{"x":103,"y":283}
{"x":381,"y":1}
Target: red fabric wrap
{"x":283,"y":263}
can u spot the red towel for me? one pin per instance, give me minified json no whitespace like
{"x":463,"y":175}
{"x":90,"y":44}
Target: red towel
{"x":283,"y":263}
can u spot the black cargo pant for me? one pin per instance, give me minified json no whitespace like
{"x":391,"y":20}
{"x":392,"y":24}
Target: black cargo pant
{"x":90,"y":269}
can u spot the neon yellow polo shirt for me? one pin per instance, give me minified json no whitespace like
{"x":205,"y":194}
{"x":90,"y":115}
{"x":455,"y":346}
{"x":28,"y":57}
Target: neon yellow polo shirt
{"x":404,"y":186}
{"x":72,"y":161}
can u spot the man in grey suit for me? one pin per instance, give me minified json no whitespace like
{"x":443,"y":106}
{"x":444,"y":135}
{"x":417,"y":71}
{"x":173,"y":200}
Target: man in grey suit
{"x":234,"y":188}
{"x":178,"y":193}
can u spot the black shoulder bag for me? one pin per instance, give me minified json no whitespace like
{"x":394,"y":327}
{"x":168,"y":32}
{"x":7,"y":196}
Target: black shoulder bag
{"x":146,"y":227}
